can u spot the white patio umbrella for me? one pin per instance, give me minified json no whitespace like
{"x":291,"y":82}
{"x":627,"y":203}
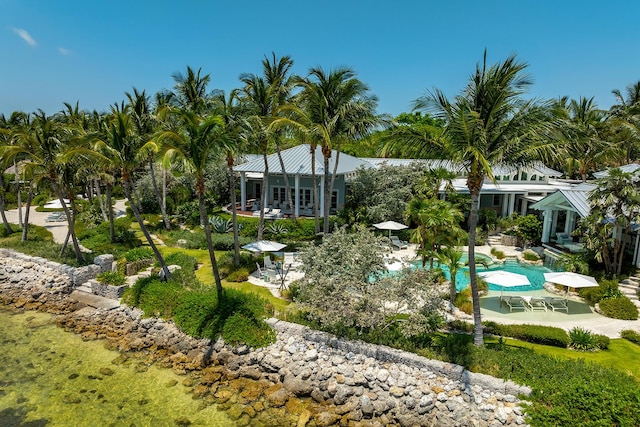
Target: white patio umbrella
{"x":55,"y":204}
{"x":571,"y":280}
{"x":264,"y":246}
{"x":390,"y":225}
{"x":504,"y":279}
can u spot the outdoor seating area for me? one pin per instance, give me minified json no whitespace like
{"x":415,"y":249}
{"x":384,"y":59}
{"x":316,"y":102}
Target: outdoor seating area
{"x":56,"y":217}
{"x":400,"y":244}
{"x":529,"y":303}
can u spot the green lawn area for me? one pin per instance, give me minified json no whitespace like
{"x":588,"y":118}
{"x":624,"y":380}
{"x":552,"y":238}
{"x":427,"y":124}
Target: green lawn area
{"x":205,"y":275}
{"x":621,"y":354}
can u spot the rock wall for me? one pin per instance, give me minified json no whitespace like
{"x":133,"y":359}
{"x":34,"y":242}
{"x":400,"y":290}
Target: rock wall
{"x":305,"y":378}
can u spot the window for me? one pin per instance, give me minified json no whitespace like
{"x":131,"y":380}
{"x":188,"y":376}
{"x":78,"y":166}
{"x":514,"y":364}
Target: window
{"x":496,"y":200}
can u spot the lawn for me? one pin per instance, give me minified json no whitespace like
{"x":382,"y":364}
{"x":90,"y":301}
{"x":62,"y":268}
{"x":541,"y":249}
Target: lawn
{"x":621,"y":355}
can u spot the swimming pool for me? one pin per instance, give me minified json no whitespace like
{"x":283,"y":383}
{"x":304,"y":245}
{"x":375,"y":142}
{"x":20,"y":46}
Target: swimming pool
{"x":533,"y":272}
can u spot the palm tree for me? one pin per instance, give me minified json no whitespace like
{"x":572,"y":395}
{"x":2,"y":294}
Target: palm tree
{"x":581,"y":144}
{"x":230,"y":110}
{"x":625,"y":116}
{"x":198,"y":137}
{"x":339,"y":108}
{"x":144,"y":121}
{"x":125,"y":153}
{"x":451,"y":257}
{"x":488,"y":123}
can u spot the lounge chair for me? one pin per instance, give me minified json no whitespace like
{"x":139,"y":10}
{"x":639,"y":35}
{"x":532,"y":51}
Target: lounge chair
{"x":535,"y":303}
{"x":268,"y":264}
{"x":289,"y":261}
{"x":557,"y":304}
{"x":515,"y":303}
{"x":400,"y":244}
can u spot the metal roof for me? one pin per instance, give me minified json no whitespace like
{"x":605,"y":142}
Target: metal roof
{"x":297,"y":160}
{"x":509,"y":187}
{"x":575,"y":199}
{"x":630,"y":168}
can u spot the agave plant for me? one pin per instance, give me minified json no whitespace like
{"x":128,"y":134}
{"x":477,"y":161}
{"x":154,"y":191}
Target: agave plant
{"x":582,"y":340}
{"x":277,"y":229}
{"x":220,"y":225}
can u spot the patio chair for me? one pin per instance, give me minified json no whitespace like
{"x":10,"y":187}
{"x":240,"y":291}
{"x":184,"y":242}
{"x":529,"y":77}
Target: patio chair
{"x":535,"y":303}
{"x":515,"y":303}
{"x":268,"y":264}
{"x":400,"y":244}
{"x":556,"y":304}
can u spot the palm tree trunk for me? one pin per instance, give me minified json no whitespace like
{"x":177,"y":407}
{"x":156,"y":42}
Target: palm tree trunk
{"x":89,"y":190}
{"x":265,"y":194}
{"x":287,"y":187}
{"x":25,"y":224}
{"x":156,"y":190}
{"x":127,"y":189}
{"x":207,"y":233}
{"x":71,"y":220}
{"x":19,"y":196}
{"x":234,"y":211}
{"x":478,"y":338}
{"x":7,"y":227}
{"x":316,"y":212}
{"x":112,"y":227}
{"x":327,"y":194}
{"x":101,"y":201}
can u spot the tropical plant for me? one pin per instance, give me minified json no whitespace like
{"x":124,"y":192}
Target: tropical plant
{"x":451,"y":257}
{"x":198,"y":137}
{"x":489,"y":123}
{"x":625,"y":118}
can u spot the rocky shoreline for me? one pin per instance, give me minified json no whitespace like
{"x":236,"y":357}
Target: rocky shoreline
{"x":305,"y":378}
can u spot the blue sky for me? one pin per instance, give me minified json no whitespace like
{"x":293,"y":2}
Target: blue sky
{"x":94,"y":51}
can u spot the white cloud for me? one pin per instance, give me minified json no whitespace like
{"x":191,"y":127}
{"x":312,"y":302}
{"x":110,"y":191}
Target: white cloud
{"x":24,"y":35}
{"x":64,"y":51}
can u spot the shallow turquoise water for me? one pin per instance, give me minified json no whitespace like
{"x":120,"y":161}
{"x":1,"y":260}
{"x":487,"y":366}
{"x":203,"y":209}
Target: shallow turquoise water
{"x":534,"y":273}
{"x":51,"y":377}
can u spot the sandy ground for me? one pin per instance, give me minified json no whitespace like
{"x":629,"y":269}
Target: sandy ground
{"x":59,"y":228}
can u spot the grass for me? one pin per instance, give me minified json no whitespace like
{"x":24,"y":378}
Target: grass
{"x":621,"y":355}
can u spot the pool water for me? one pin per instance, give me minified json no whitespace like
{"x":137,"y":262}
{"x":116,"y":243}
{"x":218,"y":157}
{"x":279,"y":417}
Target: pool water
{"x":533,"y":272}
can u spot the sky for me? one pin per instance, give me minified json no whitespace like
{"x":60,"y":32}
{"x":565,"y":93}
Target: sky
{"x":92,"y":52}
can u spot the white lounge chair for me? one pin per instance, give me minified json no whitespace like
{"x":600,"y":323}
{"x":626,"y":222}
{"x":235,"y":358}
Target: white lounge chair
{"x":400,"y":244}
{"x":290,"y":261}
{"x":557,"y":304}
{"x":515,"y":303}
{"x":268,"y":264}
{"x":535,"y":303}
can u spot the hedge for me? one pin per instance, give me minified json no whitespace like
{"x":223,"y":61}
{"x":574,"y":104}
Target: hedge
{"x":619,"y":308}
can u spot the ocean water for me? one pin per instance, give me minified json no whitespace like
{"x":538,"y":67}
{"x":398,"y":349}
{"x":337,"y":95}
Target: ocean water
{"x":49,"y":377}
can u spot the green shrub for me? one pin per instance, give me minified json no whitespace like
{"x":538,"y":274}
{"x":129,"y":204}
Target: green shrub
{"x":602,"y":341}
{"x":565,"y":392}
{"x":582,"y":340}
{"x":185,"y":261}
{"x":530,"y":255}
{"x":240,"y":328}
{"x":154,"y":296}
{"x":239,"y":275}
{"x":547,"y":335}
{"x":619,"y":308}
{"x":497,"y":253}
{"x":196,"y":314}
{"x":631,"y":335}
{"x":113,"y":278}
{"x":139,"y":254}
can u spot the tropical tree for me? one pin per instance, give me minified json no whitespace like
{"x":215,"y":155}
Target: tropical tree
{"x":451,"y":256}
{"x":125,"y":153}
{"x":625,"y":118}
{"x":615,"y":201}
{"x":437,"y":226}
{"x":488,"y":123}
{"x":339,"y":108}
{"x":198,"y":137}
{"x":145,"y":122}
{"x":580,"y":133}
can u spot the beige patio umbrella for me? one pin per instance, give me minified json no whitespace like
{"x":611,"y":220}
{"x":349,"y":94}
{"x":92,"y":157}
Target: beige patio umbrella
{"x":504,"y":279}
{"x":571,"y":279}
{"x":391,"y":226}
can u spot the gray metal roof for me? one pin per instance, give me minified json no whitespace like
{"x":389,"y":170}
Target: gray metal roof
{"x":297,"y":160}
{"x":630,"y":168}
{"x":575,"y":199}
